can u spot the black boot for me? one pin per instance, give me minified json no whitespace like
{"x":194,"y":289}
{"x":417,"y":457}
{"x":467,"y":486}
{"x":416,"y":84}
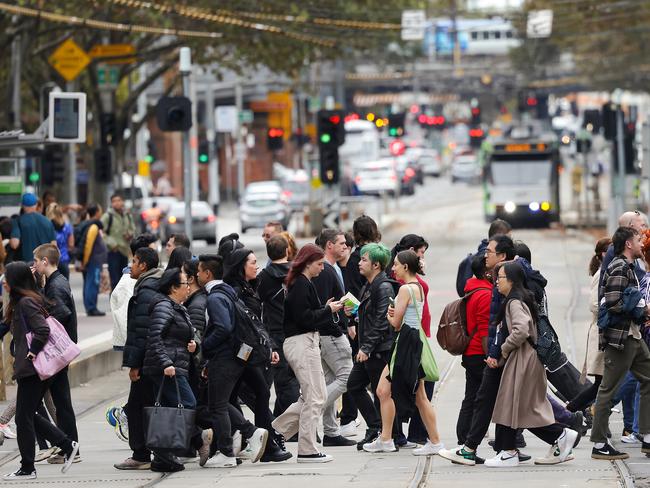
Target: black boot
{"x":275,"y":451}
{"x":371,"y":435}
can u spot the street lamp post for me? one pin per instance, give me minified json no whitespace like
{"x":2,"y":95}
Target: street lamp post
{"x":185,"y":67}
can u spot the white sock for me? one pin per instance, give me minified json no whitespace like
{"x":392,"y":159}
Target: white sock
{"x":646,"y":438}
{"x":599,"y":445}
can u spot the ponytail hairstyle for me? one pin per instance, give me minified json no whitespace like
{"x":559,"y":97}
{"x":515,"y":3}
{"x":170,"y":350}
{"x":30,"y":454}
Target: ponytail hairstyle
{"x":601,"y":247}
{"x":307,"y":255}
{"x":407,"y":242}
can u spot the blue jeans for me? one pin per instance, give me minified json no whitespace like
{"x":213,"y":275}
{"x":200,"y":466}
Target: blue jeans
{"x":91,"y":286}
{"x":626,"y":394}
{"x":169,"y":396}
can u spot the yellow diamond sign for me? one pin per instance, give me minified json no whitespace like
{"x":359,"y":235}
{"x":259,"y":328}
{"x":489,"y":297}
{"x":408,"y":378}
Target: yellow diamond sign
{"x":69,"y":60}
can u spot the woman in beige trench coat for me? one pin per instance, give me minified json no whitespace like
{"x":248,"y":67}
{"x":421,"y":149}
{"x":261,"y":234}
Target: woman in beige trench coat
{"x":594,"y":358}
{"x":521,"y":401}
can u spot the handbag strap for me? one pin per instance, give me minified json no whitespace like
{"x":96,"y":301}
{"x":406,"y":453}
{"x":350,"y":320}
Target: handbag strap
{"x":415,"y":303}
{"x":160,"y":390}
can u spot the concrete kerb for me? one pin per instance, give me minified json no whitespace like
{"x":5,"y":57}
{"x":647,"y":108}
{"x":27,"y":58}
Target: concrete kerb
{"x":97,"y":358}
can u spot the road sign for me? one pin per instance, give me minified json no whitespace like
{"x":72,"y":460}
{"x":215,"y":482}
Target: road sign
{"x":413,"y":25}
{"x":226,"y":118}
{"x":121,"y":53}
{"x":246,"y":116}
{"x":108,"y":77}
{"x":540,"y":23}
{"x":69,"y":60}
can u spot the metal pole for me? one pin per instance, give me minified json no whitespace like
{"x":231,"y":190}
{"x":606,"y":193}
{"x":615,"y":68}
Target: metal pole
{"x":213,"y":156}
{"x":16,"y":57}
{"x":194,"y":138}
{"x":71,"y":180}
{"x":620,"y":150}
{"x":186,"y":69}
{"x":239,"y":145}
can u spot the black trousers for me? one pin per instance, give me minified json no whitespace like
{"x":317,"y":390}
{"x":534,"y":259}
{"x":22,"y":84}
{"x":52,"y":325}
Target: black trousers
{"x":505,"y":437}
{"x":287,"y":389}
{"x":566,"y":381}
{"x":349,"y":410}
{"x":474,"y":366}
{"x":65,"y":416}
{"x":141,"y":394}
{"x":29,"y":396}
{"x":256,"y":393}
{"x":585,"y":397}
{"x":223,"y":375}
{"x":362,"y":374}
{"x":417,"y":430}
{"x":486,"y":397}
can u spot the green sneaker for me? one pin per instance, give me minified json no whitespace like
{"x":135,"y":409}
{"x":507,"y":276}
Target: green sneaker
{"x":459,"y":456}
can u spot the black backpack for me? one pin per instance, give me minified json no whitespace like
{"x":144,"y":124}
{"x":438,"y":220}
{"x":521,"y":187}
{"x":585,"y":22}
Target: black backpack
{"x":548,"y":344}
{"x":250,"y":340}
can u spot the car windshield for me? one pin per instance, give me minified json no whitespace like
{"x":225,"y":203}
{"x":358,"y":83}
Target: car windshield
{"x":262,"y":200}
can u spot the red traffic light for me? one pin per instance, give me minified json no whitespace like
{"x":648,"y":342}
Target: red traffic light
{"x":422,"y":119}
{"x":476,"y":133}
{"x":414,"y":109}
{"x":476,"y":111}
{"x":275,"y":132}
{"x":531,"y":101}
{"x":335,"y":119}
{"x":397,"y":147}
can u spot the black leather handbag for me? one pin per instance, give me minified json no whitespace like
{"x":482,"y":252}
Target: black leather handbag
{"x":168,"y":428}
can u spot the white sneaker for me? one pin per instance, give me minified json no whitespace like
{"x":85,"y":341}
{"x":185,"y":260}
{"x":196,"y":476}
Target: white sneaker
{"x":409,"y":445}
{"x":223,"y":461}
{"x":43,"y":454}
{"x":552,"y":457}
{"x":429,"y":449}
{"x":255,"y":446}
{"x":8,"y":433}
{"x":315,"y":458}
{"x":565,"y":443}
{"x":503,"y":460}
{"x":630,"y":439}
{"x":236,"y":443}
{"x":380,"y":446}
{"x":69,"y":459}
{"x":349,"y":430}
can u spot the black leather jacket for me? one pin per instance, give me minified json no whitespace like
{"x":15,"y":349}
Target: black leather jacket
{"x":61,"y":304}
{"x":374,"y":332}
{"x":169,"y":333}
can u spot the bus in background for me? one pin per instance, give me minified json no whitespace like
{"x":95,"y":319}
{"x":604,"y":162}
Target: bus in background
{"x":521,"y":178}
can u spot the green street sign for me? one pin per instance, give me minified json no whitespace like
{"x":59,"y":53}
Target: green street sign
{"x":246,"y":117}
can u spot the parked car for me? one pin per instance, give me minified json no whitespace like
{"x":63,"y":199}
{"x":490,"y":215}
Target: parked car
{"x":431,"y":163}
{"x":259,"y":207}
{"x":295,"y":188}
{"x":377,"y":177}
{"x":204,"y":222}
{"x":465,"y":167}
{"x":268,"y":186}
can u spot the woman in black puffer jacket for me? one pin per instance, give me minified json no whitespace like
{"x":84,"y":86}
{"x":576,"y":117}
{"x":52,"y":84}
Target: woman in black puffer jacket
{"x":169,"y":350}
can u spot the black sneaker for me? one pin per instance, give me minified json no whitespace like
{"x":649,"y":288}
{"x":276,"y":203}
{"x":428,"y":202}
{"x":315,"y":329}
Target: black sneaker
{"x":523,"y":457}
{"x":337,"y":441}
{"x":645,"y":447}
{"x":371,"y":435}
{"x":21,"y":474}
{"x":608,"y":452}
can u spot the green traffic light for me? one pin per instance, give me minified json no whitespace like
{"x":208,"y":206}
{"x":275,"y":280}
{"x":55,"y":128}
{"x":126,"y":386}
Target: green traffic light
{"x":149,"y":158}
{"x":393,"y":131}
{"x":34,"y":177}
{"x":325,"y":138}
{"x":203,"y":158}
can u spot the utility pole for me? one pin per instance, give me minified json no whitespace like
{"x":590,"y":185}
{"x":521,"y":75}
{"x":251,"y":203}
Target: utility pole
{"x":620,"y":149}
{"x":71,"y":173}
{"x":240,"y":148}
{"x":213,"y":158}
{"x":185,"y":67}
{"x":194,"y":138}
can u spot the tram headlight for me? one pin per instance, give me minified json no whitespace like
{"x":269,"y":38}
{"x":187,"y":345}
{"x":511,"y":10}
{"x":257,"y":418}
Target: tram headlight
{"x":545,"y":206}
{"x":510,"y":207}
{"x":533,"y":206}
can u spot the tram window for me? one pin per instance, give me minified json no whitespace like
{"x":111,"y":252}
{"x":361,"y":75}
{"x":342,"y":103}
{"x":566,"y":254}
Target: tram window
{"x":474,"y":36}
{"x":497,"y":35}
{"x":486,"y":35}
{"x":509,"y":34}
{"x":521,"y":173}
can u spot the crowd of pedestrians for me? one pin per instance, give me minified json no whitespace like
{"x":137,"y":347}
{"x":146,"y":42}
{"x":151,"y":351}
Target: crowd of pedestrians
{"x":336,"y":328}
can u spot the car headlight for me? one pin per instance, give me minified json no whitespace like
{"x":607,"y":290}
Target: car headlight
{"x":510,"y":207}
{"x":533,"y":206}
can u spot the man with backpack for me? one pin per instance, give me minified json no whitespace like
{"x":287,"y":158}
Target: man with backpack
{"x":119,"y":229}
{"x":374,"y":333}
{"x":497,"y":226}
{"x":225,"y":365}
{"x":93,"y":254}
{"x":271,"y":291}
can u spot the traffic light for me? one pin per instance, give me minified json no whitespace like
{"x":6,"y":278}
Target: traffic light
{"x":592,"y":120}
{"x":476,"y":136}
{"x":331,"y":134}
{"x":107,"y":129}
{"x":541,"y":106}
{"x":174,"y":114}
{"x":396,"y":125}
{"x":103,"y":165}
{"x":476,"y":116}
{"x":609,"y":121}
{"x":204,"y":150}
{"x":629,"y":150}
{"x":275,"y":139}
{"x":53,"y":165}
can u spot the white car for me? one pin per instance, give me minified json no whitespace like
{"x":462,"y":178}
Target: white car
{"x":430,"y":162}
{"x":377,"y":177}
{"x":465,"y":168}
